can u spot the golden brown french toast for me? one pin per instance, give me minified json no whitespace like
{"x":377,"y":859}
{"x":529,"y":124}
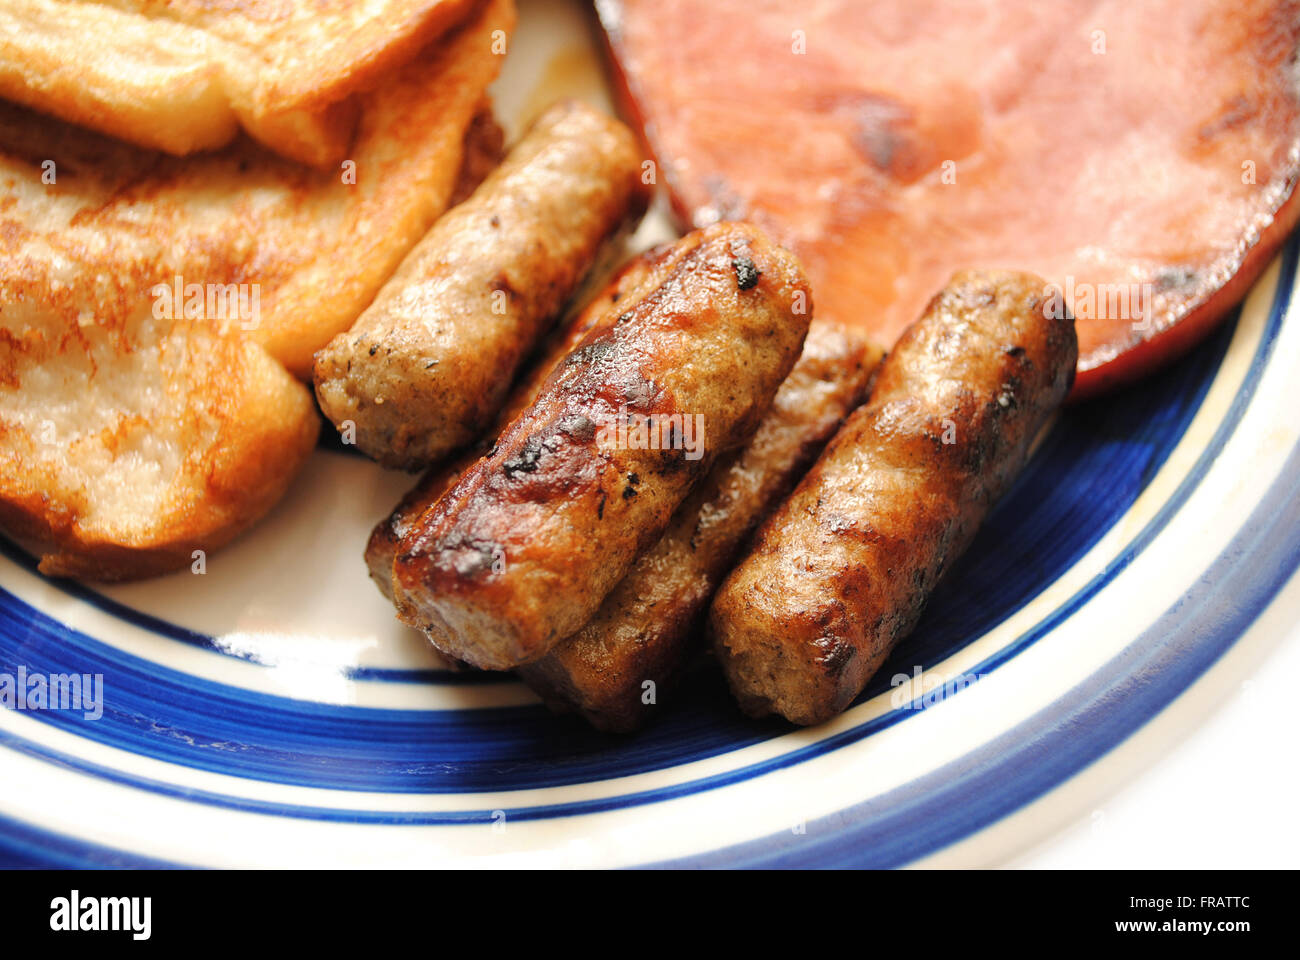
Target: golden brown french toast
{"x":149,"y":307}
{"x":185,"y":75}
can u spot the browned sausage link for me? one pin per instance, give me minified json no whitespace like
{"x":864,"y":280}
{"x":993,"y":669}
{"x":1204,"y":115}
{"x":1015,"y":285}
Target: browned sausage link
{"x":426,"y":367}
{"x":382,"y":545}
{"x":521,"y":551}
{"x":840,"y":572}
{"x":648,"y":625}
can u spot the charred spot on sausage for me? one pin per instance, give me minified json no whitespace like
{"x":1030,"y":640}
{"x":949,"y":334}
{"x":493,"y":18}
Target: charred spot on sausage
{"x":525,"y":461}
{"x":629,"y":491}
{"x":747,"y":273}
{"x":578,"y":426}
{"x":592,"y":352}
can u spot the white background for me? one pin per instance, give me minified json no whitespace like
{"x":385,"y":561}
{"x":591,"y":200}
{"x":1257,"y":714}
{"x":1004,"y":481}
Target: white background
{"x":1225,"y":794}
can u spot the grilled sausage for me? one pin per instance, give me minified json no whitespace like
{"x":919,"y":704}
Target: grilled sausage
{"x":426,"y":367}
{"x":840,"y":572}
{"x":381,"y":548}
{"x":521,"y":551}
{"x":647,"y":627}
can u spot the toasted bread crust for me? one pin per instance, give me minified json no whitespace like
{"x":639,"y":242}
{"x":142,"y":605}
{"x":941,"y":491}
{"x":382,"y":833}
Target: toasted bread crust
{"x":343,"y":241}
{"x":130,"y":438}
{"x":186,"y":438}
{"x":184,"y":75}
{"x":320,"y":245}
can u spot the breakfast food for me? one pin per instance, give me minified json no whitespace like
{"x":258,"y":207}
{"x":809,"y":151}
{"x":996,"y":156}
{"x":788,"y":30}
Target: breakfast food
{"x":483,"y":147}
{"x":185,"y":75}
{"x":622,"y":662}
{"x":1142,"y":156}
{"x":326,"y":242}
{"x":320,"y":191}
{"x":128,"y":448}
{"x":522,"y":549}
{"x":384,"y":540}
{"x":841,"y":571}
{"x":149,"y":306}
{"x":319,"y":244}
{"x":426,"y":367}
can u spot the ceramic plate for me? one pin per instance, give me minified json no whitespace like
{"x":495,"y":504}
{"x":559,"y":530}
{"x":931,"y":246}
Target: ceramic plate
{"x":270,"y":711}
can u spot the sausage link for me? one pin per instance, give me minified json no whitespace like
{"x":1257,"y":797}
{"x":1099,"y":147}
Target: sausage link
{"x":381,"y":548}
{"x":426,"y":367}
{"x":521,"y":551}
{"x":841,"y":571}
{"x":647,"y":627}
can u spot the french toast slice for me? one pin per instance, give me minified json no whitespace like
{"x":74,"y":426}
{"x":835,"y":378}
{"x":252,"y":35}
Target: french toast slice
{"x":319,"y":244}
{"x":185,"y":75}
{"x":134,"y":431}
{"x":126,"y":449}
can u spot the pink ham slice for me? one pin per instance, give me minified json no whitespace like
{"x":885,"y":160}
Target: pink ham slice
{"x":1141,"y":155}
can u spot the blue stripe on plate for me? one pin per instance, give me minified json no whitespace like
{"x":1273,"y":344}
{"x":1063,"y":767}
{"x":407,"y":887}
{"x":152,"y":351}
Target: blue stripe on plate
{"x":1027,"y":761}
{"x":24,"y":847}
{"x":195,"y":638}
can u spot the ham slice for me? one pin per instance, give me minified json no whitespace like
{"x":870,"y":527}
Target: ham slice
{"x":1141,"y":156}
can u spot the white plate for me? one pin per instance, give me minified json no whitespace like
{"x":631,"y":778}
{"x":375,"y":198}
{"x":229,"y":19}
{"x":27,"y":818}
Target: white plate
{"x":271,"y":712}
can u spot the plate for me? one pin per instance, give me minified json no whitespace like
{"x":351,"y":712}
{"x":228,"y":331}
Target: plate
{"x":268,"y":710}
